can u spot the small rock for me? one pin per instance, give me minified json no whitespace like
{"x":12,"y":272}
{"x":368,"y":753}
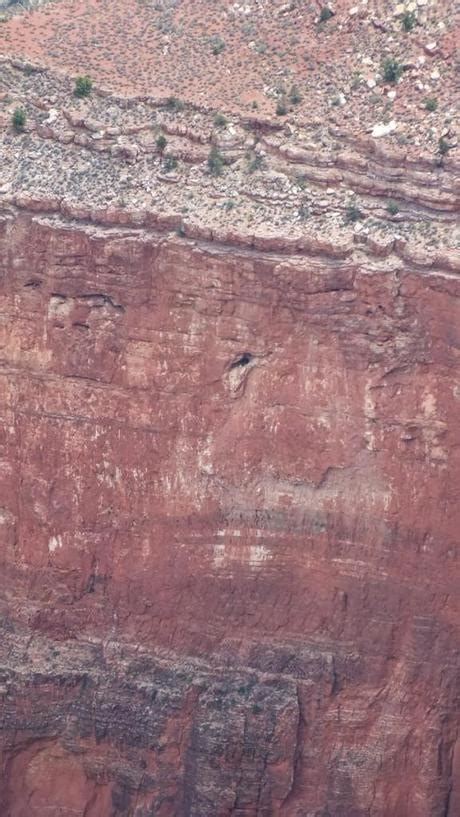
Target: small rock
{"x":382,"y":129}
{"x":431,"y":48}
{"x":52,"y":116}
{"x":379,"y":24}
{"x":391,"y":95}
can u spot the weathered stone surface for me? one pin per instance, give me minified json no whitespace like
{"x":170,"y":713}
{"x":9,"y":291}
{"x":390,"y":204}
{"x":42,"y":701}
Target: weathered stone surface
{"x":228,"y":486}
{"x":229,"y":402}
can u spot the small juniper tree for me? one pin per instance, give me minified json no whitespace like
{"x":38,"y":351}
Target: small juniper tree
{"x":217,"y":44}
{"x":174,"y":104}
{"x":215,"y":161}
{"x":392,"y":207}
{"x":220,"y":120}
{"x":169,"y":164}
{"x":18,"y":120}
{"x":391,"y":69}
{"x":256,"y":163}
{"x":83,"y":87}
{"x":161,"y":142}
{"x":281,"y":107}
{"x":325,"y":14}
{"x":295,"y":95}
{"x":353,"y":214}
{"x":408,"y":20}
{"x":431,"y":104}
{"x":443,"y":146}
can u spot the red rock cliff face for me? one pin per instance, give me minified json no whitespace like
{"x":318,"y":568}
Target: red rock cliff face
{"x":228,"y":523}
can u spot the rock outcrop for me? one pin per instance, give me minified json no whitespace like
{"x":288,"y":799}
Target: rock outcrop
{"x":228,"y":528}
{"x":229,"y":462}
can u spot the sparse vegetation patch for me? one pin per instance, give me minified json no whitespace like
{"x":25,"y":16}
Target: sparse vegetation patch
{"x":83,"y":87}
{"x":443,"y":146}
{"x":220,"y":120}
{"x":174,"y":104}
{"x":170,"y":164}
{"x":353,"y":214}
{"x":18,"y":120}
{"x":281,"y":107}
{"x":217,"y":44}
{"x":215,"y":161}
{"x":295,"y":96}
{"x":392,"y":207}
{"x":408,"y":20}
{"x":431,"y":104}
{"x":325,"y":14}
{"x":391,"y":69}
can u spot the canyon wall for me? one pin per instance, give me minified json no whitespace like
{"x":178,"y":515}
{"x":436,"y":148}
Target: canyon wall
{"x":229,"y":484}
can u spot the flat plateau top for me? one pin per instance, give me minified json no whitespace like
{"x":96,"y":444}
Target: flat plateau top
{"x":316,"y":149}
{"x":252,"y":56}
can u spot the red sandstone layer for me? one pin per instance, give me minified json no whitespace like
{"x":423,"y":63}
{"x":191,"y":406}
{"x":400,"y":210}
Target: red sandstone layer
{"x":238,"y":457}
{"x":229,"y":436}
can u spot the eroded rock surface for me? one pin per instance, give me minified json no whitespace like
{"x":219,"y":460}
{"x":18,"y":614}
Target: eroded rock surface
{"x":229,"y":463}
{"x":237,"y":457}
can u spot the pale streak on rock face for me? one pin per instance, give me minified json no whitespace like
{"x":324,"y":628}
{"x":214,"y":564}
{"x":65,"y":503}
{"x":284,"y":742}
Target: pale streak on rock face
{"x":54,"y":543}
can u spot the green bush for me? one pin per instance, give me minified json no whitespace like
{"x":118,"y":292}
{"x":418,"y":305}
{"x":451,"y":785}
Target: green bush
{"x":255,"y":163}
{"x":431,"y":104}
{"x":294,"y":95}
{"x":215,"y":161}
{"x":217,"y":44}
{"x":169,"y":164}
{"x":18,"y":120}
{"x":281,"y":108}
{"x":304,"y":211}
{"x":325,"y":14}
{"x":83,"y":87}
{"x":353,"y":214}
{"x":220,"y":120}
{"x":261,"y":47}
{"x":174,"y":104}
{"x":408,"y":20}
{"x":391,"y":69}
{"x":443,"y":146}
{"x":161,"y":142}
{"x":392,"y":207}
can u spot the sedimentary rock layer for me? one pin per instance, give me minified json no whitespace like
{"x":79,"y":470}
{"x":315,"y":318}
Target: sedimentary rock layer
{"x":228,"y":483}
{"x":229,"y":410}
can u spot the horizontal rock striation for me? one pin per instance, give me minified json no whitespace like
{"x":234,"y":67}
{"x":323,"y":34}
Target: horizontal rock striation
{"x":239,"y":458}
{"x":229,"y":459}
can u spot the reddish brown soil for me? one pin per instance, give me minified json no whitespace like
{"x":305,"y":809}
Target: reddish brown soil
{"x":137,"y":47}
